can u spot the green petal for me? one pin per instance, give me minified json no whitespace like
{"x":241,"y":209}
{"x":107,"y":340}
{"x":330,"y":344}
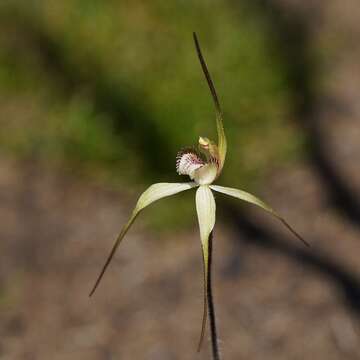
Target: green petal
{"x":222,"y":145}
{"x":243,"y":195}
{"x":153,"y":193}
{"x":205,"y":207}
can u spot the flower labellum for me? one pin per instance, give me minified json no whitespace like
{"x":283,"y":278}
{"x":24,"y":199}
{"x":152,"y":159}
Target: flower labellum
{"x":203,"y":167}
{"x":187,"y":161}
{"x":203,"y":172}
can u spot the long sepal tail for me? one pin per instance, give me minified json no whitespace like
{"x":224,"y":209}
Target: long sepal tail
{"x":243,"y":195}
{"x":153,"y":193}
{"x":205,"y":254}
{"x":222,"y":145}
{"x":113,"y":250}
{"x":205,"y":207}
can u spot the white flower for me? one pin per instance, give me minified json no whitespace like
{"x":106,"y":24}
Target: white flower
{"x":203,"y":167}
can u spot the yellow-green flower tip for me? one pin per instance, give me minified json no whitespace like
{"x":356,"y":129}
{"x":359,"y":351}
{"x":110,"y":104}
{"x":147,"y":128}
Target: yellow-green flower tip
{"x":204,"y":142}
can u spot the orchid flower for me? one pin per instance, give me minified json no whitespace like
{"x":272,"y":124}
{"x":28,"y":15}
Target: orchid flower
{"x":203,"y":166}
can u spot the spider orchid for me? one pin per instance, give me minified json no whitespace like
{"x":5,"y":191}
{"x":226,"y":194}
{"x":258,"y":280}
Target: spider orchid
{"x":203,"y":166}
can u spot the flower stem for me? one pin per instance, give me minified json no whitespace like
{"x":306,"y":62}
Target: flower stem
{"x":211,"y":308}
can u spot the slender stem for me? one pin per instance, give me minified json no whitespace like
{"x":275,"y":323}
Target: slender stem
{"x":211,"y":308}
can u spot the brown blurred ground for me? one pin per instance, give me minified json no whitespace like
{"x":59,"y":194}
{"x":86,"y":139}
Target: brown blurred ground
{"x":56,"y":230}
{"x":149,"y":305}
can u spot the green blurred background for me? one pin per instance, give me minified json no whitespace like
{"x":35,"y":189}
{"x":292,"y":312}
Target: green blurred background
{"x":114,"y":89}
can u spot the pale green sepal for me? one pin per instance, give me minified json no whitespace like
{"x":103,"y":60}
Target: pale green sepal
{"x":161,"y":190}
{"x":243,"y":195}
{"x":153,"y":193}
{"x":205,"y":207}
{"x":222,"y":145}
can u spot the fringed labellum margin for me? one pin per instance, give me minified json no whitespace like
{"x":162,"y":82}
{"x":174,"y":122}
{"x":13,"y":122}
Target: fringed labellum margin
{"x":203,"y":172}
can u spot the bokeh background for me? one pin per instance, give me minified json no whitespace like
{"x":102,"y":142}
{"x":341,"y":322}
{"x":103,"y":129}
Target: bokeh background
{"x":97,"y":97}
